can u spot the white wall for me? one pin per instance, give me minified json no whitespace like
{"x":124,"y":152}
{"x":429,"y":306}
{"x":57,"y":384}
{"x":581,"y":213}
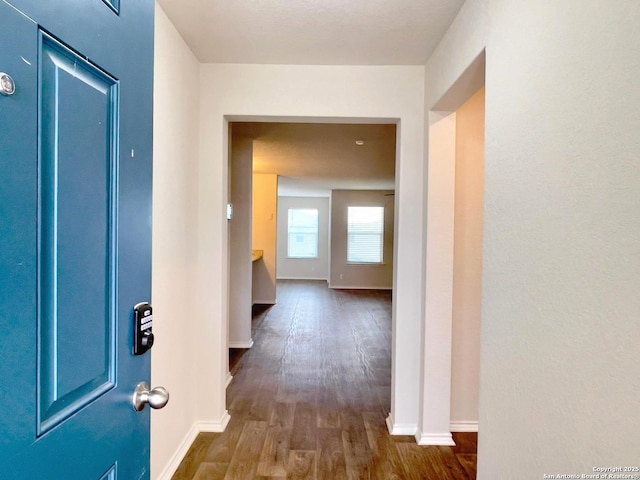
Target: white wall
{"x":174,"y":241}
{"x":435,"y":367}
{"x":240,"y":242}
{"x":303,"y":268}
{"x":467,"y":264}
{"x":343,"y":274}
{"x":265,"y":236}
{"x":384,"y":94}
{"x":559,"y":351}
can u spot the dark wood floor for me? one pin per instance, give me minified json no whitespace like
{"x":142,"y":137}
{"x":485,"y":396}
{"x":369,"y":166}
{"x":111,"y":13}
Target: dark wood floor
{"x":309,"y":400}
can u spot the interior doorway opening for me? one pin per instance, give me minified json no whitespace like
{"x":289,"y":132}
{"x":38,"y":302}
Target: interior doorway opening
{"x":453,"y":279}
{"x":467,"y":264}
{"x":276,"y":168}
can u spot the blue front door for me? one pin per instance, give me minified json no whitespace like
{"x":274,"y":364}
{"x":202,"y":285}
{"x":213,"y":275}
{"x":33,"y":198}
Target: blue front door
{"x":75,"y":236}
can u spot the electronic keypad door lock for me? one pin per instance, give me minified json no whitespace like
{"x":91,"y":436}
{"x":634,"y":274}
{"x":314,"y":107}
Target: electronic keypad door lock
{"x":143,"y":328}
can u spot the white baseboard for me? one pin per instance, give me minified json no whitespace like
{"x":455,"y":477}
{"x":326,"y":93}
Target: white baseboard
{"x":182,"y":450}
{"x":438,"y":439}
{"x":303,"y":278}
{"x":188,"y":440}
{"x":357,"y":287}
{"x":464,"y":426}
{"x":248,"y":344}
{"x":215,"y":427}
{"x":400,"y":429}
{"x":229,"y":379}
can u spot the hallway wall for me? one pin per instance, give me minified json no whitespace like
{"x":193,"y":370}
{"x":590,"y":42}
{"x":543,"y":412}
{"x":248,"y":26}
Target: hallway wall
{"x":559,"y":351}
{"x":467,"y":264}
{"x":240,"y":241}
{"x":175,"y":170}
{"x":264,"y":220}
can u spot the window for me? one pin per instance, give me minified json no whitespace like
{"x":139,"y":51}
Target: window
{"x":365,"y":240}
{"x":302,"y":231}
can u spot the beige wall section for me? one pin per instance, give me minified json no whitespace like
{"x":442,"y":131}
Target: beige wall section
{"x":175,"y":170}
{"x":240,"y":240}
{"x":265,"y":221}
{"x":434,"y":424}
{"x":559,"y":353}
{"x":343,"y":274}
{"x":304,"y":268}
{"x":467,"y":264}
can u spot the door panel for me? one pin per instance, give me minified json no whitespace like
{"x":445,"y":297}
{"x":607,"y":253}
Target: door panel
{"x":77,"y":270}
{"x":75,"y":237}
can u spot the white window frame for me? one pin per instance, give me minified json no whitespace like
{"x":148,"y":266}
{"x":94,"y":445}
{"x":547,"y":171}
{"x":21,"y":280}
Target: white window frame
{"x":298,"y":231}
{"x":361,"y":230}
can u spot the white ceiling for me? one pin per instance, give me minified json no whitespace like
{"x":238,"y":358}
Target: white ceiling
{"x":312,"y":159}
{"x":312,"y":32}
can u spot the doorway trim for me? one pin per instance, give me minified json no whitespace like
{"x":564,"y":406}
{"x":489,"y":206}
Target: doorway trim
{"x":434,"y":424}
{"x":387,"y":94}
{"x":228,"y":119}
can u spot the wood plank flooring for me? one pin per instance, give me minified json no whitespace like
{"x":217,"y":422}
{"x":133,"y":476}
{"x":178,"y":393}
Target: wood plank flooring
{"x":309,"y":400}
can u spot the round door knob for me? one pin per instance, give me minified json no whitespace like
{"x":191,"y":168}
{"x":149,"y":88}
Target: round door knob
{"x":156,"y":398}
{"x":7,"y":85}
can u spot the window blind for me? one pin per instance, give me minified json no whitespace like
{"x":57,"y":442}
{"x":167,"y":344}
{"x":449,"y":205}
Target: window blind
{"x":365,"y":239}
{"x":302,"y":230}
